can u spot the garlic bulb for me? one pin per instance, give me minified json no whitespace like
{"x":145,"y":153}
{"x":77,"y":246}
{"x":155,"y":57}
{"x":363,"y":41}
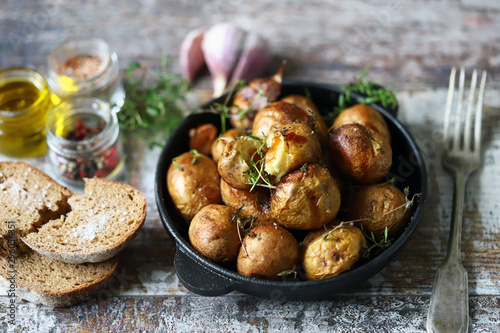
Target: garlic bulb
{"x":255,"y":58}
{"x":191,"y":54}
{"x":222,"y":45}
{"x":229,"y":52}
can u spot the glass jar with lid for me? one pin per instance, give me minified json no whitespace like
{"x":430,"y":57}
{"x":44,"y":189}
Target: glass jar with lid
{"x":85,"y":67}
{"x":25,"y":101}
{"x":84,"y":140}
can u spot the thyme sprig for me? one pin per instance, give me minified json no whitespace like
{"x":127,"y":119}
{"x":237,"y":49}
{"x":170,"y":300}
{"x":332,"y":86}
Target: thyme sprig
{"x":373,"y":92}
{"x":196,"y":155}
{"x":244,"y":224}
{"x":255,"y":174}
{"x":329,"y":232}
{"x":378,"y":245}
{"x":153,"y":102}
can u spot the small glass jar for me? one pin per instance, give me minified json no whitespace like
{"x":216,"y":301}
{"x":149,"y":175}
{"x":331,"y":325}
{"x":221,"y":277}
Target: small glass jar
{"x":84,"y":140}
{"x":85,"y":67}
{"x":24,"y":104}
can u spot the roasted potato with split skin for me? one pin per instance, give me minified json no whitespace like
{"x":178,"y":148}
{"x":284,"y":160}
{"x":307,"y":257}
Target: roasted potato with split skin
{"x":329,"y":251}
{"x":251,"y":205}
{"x":306,"y":198}
{"x":235,"y":159}
{"x":218,"y":144}
{"x":267,"y":251}
{"x":289,"y":147}
{"x":277,"y":115}
{"x":195,"y":184}
{"x":365,"y":115}
{"x":377,"y":207}
{"x":214,"y":233}
{"x":360,"y":153}
{"x":307,"y":105}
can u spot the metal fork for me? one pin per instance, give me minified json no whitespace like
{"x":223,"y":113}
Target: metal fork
{"x":449,"y":305}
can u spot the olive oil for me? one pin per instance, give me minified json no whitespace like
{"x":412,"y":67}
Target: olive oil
{"x":24,"y":104}
{"x":17,"y":96}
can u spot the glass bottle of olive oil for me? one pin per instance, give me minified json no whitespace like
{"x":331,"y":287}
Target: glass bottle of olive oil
{"x":24,"y":104}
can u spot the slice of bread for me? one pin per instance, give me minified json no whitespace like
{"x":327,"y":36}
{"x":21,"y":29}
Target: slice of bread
{"x":101,"y":222}
{"x":53,"y":283}
{"x":28,"y":199}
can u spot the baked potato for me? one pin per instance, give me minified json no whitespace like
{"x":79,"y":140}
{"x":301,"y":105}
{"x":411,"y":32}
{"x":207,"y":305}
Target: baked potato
{"x":316,"y":119}
{"x":360,"y":153}
{"x":277,"y":115}
{"x":306,"y":198}
{"x":219,"y":143}
{"x":214,"y":233}
{"x":365,"y":115}
{"x":202,"y":137}
{"x":329,"y":251}
{"x":267,"y":251}
{"x":377,"y":207}
{"x":254,"y":206}
{"x":193,"y":182}
{"x":289,"y":147}
{"x":253,"y":97}
{"x":237,"y":157}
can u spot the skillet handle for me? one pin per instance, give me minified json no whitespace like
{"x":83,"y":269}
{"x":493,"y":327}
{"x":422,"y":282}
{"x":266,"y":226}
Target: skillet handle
{"x":199,"y":279}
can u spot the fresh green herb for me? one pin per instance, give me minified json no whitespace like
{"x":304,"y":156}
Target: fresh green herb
{"x":289,"y":272}
{"x":255,"y":174}
{"x":153,"y":102}
{"x":196,"y":155}
{"x":376,"y":246}
{"x":329,"y":232}
{"x":373,"y":92}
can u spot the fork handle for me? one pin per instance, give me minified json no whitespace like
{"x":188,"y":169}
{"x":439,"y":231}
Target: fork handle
{"x":449,"y":305}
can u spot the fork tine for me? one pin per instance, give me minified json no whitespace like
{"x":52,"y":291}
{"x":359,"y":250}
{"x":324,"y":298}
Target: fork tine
{"x":449,"y":103}
{"x":468,"y":119}
{"x":458,"y":113}
{"x":479,"y":113}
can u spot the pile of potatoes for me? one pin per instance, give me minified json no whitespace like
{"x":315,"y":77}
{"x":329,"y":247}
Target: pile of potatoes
{"x":282,"y":175}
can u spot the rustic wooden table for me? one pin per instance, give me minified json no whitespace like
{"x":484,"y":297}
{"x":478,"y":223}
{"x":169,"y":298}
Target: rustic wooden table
{"x":410,"y":44}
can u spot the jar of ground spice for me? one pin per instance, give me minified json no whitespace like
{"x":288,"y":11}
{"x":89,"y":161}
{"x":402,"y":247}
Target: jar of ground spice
{"x":85,"y":67}
{"x":84,"y":140}
{"x":24,"y":104}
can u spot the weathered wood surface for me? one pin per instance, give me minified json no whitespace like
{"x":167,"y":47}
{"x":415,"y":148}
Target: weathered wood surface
{"x":410,"y":44}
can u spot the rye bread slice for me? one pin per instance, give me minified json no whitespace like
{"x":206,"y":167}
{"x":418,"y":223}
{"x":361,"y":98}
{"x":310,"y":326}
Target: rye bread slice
{"x":28,"y":199}
{"x":53,"y":283}
{"x":100,"y":224}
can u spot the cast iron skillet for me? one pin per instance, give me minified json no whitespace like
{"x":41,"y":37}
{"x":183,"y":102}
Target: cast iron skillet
{"x":202,"y":276}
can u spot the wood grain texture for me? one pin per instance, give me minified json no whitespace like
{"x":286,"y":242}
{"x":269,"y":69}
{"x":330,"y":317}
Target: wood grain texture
{"x":410,"y":44}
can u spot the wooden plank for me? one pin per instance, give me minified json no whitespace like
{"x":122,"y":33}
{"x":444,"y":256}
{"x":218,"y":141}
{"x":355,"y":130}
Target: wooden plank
{"x":238,"y":313}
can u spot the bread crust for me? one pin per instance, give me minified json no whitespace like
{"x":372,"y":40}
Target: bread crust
{"x":71,"y":246}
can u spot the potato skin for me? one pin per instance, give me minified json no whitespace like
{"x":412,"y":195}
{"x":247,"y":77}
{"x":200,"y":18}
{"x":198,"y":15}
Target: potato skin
{"x":378,"y":206}
{"x":251,"y":205}
{"x":195,"y":186}
{"x":323,"y":255}
{"x":202,"y":137}
{"x":213,"y":233}
{"x":360,"y":153}
{"x":316,"y":119}
{"x":267,"y":250}
{"x":219,"y":144}
{"x":276,"y":115}
{"x":365,"y":115}
{"x":289,"y":147}
{"x":306,"y":199}
{"x":234,"y":160}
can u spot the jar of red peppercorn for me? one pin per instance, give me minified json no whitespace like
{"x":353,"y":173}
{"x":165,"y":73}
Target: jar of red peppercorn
{"x":85,"y":67}
{"x":84,"y":140}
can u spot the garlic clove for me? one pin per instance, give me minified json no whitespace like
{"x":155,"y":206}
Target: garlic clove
{"x":191,"y":55}
{"x":255,"y":58}
{"x":222,"y":46}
